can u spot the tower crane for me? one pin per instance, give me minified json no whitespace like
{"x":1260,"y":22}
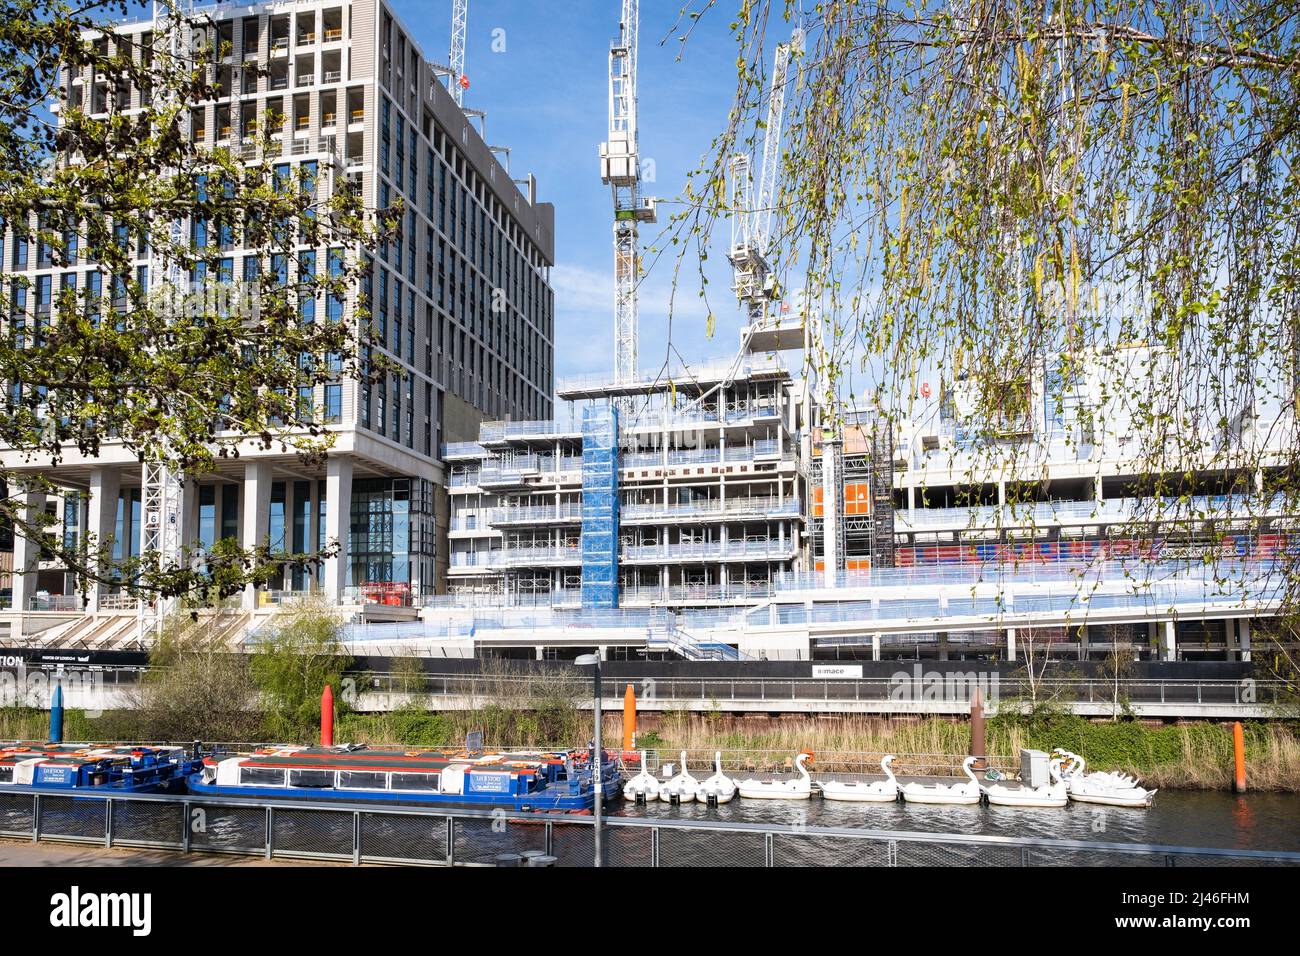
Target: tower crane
{"x":620,"y":169}
{"x":751,"y":221}
{"x":755,"y":287}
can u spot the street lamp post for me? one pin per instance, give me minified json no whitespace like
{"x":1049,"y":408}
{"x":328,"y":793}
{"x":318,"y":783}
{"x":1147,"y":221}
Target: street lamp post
{"x":597,"y":761}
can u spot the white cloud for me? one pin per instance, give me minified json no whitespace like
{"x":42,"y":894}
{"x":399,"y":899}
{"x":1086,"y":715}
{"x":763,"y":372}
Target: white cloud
{"x":584,"y":309}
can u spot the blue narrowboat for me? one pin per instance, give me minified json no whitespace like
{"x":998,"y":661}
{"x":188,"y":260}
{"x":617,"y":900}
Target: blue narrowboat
{"x":89,"y":767}
{"x":560,"y":781}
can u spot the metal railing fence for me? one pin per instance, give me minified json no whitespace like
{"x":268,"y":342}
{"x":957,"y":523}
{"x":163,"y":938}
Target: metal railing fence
{"x":957,"y":687}
{"x":436,"y":836}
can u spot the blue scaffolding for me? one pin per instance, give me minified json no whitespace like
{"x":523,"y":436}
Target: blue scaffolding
{"x":600,"y":507}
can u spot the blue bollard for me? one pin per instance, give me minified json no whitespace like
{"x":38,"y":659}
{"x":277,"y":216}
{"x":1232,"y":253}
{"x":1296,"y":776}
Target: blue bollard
{"x":56,"y":716}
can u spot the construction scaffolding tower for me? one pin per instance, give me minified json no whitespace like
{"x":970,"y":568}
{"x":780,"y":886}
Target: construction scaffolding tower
{"x":864,"y":459}
{"x":600,"y":507}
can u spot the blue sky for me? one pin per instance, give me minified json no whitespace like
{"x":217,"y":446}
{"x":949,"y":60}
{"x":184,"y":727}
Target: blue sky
{"x":546,"y":98}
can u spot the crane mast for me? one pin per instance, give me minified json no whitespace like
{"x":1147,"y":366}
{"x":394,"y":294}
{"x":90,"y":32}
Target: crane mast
{"x":620,"y":169}
{"x":454,"y":68}
{"x":161,"y":489}
{"x":459,"y":24}
{"x":751,"y":222}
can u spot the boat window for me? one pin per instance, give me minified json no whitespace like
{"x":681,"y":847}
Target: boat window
{"x":261,"y":777}
{"x":6,"y":774}
{"x":362,"y":780}
{"x":311,"y":778}
{"x":415,"y":781}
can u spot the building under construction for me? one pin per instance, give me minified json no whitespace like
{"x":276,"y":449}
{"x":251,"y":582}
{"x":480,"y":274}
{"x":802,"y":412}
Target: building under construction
{"x":677,"y":491}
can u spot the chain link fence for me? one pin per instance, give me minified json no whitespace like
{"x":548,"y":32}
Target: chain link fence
{"x":437,"y":836}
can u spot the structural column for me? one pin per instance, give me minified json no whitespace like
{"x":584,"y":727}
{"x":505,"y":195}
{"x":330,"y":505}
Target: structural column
{"x":1243,"y":640}
{"x":313,"y":536}
{"x":189,"y":536}
{"x":256,"y":519}
{"x":1011,"y":643}
{"x":101,"y":524}
{"x":338,"y":516}
{"x":1171,"y":642}
{"x":27,"y":551}
{"x":875,"y":647}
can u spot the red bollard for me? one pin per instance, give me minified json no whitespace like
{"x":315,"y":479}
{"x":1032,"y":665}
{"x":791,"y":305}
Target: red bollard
{"x":327,"y":717}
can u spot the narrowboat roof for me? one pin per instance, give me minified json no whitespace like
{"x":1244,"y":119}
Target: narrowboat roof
{"x":81,"y":753}
{"x":412,"y":761}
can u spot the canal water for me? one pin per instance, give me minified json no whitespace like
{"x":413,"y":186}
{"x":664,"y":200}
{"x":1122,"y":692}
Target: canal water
{"x":1253,"y":821}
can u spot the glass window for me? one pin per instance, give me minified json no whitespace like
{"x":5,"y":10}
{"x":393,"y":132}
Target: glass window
{"x":415,"y":781}
{"x":362,"y":780}
{"x":230,"y":512}
{"x":333,"y":404}
{"x":71,"y":519}
{"x":208,"y":516}
{"x":276,"y":529}
{"x":311,"y":778}
{"x":261,"y":777}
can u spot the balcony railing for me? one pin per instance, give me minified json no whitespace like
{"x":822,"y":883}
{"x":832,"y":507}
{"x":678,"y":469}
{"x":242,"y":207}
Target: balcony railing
{"x":536,"y":514}
{"x":504,"y":431}
{"x":55,"y":602}
{"x":709,"y":550}
{"x":546,"y":556}
{"x":1197,"y":508}
{"x":462,"y":449}
{"x":706,"y":506}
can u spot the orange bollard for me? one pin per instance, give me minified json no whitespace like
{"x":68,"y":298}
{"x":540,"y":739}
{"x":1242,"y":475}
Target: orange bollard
{"x":327,"y":717}
{"x":629,"y":718}
{"x":1238,"y":758}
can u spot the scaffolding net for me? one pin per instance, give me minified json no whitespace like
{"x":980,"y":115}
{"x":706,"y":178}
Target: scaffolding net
{"x":600,"y":507}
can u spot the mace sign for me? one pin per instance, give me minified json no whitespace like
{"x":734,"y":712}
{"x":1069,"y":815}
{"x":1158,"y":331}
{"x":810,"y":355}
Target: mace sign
{"x":838,"y":671}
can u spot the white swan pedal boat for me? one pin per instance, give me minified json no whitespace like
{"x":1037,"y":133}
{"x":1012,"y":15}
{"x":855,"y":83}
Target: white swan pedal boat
{"x":857,"y":791}
{"x":643,"y":788}
{"x":1106,"y":788}
{"x":966,"y":793}
{"x":1053,"y":794}
{"x":799,"y":788}
{"x":680,"y":788}
{"x":718,"y":788}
